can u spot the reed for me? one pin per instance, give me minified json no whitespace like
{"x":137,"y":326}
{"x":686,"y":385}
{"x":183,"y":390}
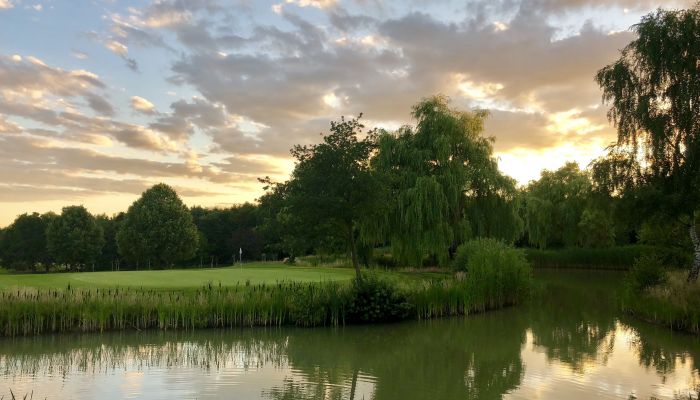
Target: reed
{"x":37,"y":311}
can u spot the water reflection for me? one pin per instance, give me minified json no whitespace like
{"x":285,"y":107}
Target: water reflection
{"x":568,"y":343}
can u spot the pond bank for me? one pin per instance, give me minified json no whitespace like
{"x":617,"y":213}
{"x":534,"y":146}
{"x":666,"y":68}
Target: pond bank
{"x":39,"y":311}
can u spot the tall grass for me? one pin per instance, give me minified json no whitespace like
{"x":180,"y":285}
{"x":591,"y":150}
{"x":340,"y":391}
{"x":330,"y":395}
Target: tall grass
{"x":674,"y":303}
{"x":37,"y":311}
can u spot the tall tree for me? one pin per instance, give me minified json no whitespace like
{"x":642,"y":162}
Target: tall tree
{"x":332,"y":185}
{"x":109,"y":256}
{"x":158,"y":229}
{"x":436,"y":171}
{"x":654,"y":94}
{"x":555,"y":205}
{"x":74,"y":238}
{"x":24,"y":242}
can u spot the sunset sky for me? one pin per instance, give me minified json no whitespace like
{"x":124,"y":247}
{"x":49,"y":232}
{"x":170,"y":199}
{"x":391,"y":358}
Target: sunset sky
{"x":101,"y":99}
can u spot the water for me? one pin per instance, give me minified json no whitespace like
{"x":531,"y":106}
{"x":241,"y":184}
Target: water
{"x":569,"y":343}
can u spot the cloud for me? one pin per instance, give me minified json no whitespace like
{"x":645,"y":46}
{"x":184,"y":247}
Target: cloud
{"x":141,"y":105}
{"x":322,"y":4}
{"x":5,"y":4}
{"x":8,"y":126}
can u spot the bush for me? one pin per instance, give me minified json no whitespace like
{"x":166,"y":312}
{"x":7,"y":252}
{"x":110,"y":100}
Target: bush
{"x":495,"y":270}
{"x":646,"y":272}
{"x":376,"y":300}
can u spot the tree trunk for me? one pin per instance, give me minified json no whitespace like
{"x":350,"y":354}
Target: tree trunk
{"x":695,"y":269}
{"x":353,"y":253}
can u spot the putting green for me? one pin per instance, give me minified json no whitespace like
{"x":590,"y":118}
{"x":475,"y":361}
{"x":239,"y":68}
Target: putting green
{"x":255,"y":273}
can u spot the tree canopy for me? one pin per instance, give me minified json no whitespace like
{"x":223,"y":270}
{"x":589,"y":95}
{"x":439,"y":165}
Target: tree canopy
{"x":654,"y":94}
{"x":23,"y":243}
{"x":74,"y":238}
{"x":158,"y":229}
{"x":436,"y":171}
{"x":332,"y":188}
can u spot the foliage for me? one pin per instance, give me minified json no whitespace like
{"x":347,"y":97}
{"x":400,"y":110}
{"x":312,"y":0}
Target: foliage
{"x":495,"y":270}
{"x":646,"y":272}
{"x":609,"y":258}
{"x":333,"y":186}
{"x":23,"y":243}
{"x":436,"y":171}
{"x":74,"y":238}
{"x":654,"y":93}
{"x":554,"y":206}
{"x":595,"y":229}
{"x":376,"y":300}
{"x":158,"y":229}
{"x":224,"y":231}
{"x":674,"y":303}
{"x":109,"y":258}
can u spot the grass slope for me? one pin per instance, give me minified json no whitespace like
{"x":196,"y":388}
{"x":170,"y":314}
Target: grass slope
{"x":256,"y":273}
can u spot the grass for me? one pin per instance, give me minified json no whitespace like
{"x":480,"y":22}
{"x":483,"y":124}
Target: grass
{"x":253,"y":273}
{"x":675,"y":303}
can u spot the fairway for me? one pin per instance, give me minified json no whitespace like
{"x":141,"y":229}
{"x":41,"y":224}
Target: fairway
{"x":255,"y":273}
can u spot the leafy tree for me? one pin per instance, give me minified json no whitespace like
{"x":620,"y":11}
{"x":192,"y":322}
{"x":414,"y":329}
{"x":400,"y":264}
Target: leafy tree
{"x":158,"y":229}
{"x":441,"y":173}
{"x":24,"y":242}
{"x":226,"y":230}
{"x":332,"y":188}
{"x":109,"y":257}
{"x":284,"y":233}
{"x":554,"y":206}
{"x":654,"y":94}
{"x":74,"y":238}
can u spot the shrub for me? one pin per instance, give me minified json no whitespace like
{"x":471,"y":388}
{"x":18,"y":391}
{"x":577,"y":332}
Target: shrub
{"x":376,"y":300}
{"x":495,"y":270}
{"x":647,"y":271}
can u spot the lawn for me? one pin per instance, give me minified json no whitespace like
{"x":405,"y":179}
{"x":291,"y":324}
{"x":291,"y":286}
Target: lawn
{"x":256,"y":273}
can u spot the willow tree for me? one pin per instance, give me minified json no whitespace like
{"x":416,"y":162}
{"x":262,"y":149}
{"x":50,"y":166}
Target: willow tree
{"x":558,"y":210}
{"x":654,"y":94}
{"x":436,"y":171}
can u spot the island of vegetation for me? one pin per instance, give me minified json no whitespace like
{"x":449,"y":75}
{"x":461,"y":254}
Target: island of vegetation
{"x":422,"y":215}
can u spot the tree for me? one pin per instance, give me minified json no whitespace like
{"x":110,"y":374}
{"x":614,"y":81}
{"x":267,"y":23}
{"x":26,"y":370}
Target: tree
{"x":332,"y":186}
{"x":226,"y":230}
{"x":24,"y":242}
{"x":109,"y":256}
{"x":74,"y":238}
{"x":654,"y":94}
{"x":554,"y":206}
{"x":158,"y":229}
{"x":440,"y":173}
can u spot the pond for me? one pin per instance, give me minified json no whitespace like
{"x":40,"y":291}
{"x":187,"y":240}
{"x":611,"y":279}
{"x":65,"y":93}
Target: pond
{"x":569,"y":342}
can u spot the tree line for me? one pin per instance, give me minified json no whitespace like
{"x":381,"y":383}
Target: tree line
{"x":426,"y":188}
{"x":157,"y":231}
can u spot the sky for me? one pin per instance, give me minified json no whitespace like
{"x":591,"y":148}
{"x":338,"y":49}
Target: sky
{"x":101,"y":99}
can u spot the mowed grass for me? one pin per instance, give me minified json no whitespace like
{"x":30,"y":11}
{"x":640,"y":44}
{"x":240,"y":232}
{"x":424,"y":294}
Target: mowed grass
{"x":254,"y":273}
